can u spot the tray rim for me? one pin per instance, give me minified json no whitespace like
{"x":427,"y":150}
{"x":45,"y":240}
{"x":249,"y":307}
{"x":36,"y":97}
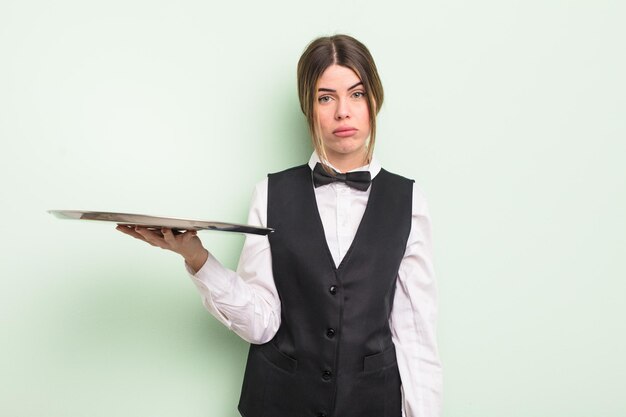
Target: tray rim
{"x":153,"y":221}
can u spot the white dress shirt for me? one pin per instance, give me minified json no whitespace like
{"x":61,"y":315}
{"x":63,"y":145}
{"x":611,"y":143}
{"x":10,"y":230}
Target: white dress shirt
{"x":247,"y":302}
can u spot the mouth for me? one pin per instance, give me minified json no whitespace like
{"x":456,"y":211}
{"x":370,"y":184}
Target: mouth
{"x":344,"y":131}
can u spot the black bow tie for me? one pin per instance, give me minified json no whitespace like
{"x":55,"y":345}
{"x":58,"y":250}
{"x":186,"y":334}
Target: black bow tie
{"x":359,"y":180}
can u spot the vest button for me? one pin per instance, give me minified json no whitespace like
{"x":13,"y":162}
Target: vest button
{"x":330,"y":333}
{"x":327,"y":375}
{"x":321,"y":415}
{"x":333,"y":289}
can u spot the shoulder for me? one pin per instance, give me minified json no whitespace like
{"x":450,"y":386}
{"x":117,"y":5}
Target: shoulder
{"x":390,"y":176}
{"x":289,"y":179}
{"x":261,"y":187}
{"x":397,"y":185}
{"x":290,"y":171}
{"x":419,"y":202}
{"x":259,"y":195}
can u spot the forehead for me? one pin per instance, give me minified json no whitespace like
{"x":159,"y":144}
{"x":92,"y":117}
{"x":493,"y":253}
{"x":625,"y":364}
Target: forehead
{"x":338,"y":77}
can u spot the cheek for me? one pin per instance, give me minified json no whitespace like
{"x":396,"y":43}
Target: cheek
{"x":325,"y":118}
{"x":365,"y":111}
{"x":364,"y":116}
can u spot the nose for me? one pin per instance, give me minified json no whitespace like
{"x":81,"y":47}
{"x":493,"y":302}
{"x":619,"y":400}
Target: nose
{"x":343,"y":110}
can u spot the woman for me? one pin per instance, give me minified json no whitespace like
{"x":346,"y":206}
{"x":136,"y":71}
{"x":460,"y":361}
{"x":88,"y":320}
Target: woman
{"x":339,"y":303}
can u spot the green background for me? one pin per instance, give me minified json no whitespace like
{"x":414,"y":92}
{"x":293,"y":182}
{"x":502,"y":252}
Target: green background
{"x":509,"y":114}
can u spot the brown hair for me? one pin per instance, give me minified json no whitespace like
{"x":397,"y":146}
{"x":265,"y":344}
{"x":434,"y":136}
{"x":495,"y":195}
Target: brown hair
{"x":347,"y":52}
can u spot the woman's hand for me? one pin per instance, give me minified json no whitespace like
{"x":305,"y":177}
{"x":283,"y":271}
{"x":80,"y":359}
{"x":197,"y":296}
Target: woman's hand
{"x":186,"y":244}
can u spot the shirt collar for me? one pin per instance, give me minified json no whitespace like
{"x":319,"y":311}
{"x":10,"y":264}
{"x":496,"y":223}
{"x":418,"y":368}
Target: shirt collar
{"x":373,"y":167}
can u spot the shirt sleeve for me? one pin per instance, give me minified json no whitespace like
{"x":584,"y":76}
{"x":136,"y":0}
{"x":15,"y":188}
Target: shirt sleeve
{"x":246,"y":301}
{"x":413,"y":319}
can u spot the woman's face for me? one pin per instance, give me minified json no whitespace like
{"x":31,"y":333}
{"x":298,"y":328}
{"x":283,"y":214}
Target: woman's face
{"x":341,"y":107}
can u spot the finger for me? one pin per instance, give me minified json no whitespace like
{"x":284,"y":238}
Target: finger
{"x":151,"y":237}
{"x":188,"y":235}
{"x":168,"y":236}
{"x":129,"y":230}
{"x":122,"y":228}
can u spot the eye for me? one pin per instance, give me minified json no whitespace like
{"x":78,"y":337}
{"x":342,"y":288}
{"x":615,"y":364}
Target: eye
{"x":358,"y":94}
{"x":324,"y":99}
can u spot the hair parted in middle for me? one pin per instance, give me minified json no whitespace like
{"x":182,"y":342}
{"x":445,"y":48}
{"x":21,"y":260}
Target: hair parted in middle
{"x":346,"y":51}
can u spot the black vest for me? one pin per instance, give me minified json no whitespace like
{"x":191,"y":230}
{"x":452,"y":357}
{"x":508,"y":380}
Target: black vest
{"x":333,"y":354}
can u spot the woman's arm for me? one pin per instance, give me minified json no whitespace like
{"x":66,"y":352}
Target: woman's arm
{"x":245,"y":301}
{"x":413,"y":319}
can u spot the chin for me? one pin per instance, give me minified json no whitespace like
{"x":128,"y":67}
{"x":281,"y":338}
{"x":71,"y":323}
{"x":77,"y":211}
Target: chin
{"x":350,"y":147}
{"x":349,"y":151}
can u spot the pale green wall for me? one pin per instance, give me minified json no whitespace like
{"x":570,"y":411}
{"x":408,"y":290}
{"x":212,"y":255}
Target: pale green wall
{"x":510,"y":114}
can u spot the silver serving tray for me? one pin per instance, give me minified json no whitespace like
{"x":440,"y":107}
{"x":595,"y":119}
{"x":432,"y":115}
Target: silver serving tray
{"x":154,"y":222}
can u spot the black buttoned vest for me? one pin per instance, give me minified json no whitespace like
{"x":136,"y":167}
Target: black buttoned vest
{"x":333,"y":354}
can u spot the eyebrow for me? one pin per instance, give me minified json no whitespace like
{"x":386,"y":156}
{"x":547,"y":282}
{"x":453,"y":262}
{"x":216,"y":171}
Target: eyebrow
{"x":330,"y":90}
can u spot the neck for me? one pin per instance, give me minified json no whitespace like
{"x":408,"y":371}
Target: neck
{"x":344,"y":163}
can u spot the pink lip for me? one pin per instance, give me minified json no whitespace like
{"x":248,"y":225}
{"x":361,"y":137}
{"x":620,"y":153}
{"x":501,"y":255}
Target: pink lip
{"x":344,"y":131}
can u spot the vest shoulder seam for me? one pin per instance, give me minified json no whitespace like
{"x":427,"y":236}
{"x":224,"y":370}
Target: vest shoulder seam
{"x":288,"y":170}
{"x":397,"y":176}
